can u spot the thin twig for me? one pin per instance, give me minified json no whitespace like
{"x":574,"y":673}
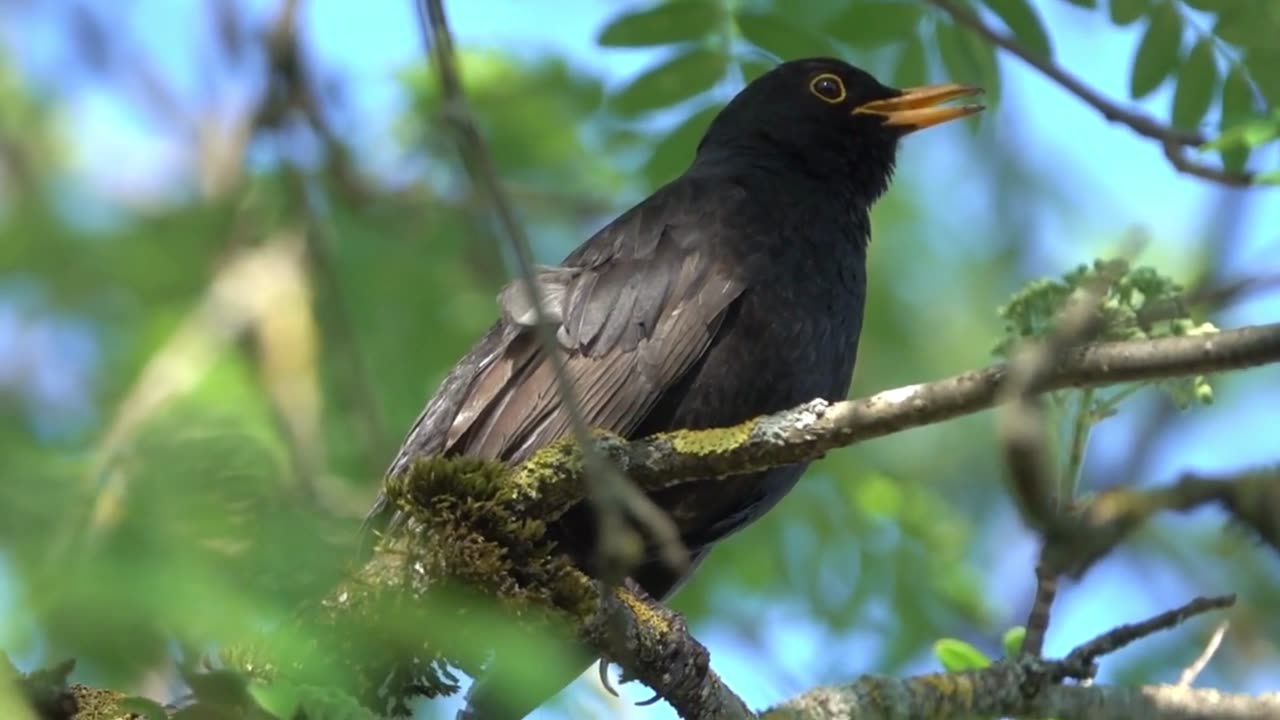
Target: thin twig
{"x":1172,"y":140}
{"x":1194,"y":669}
{"x":613,"y":496}
{"x":1081,"y":662}
{"x":1022,"y":425}
{"x":1041,"y":610}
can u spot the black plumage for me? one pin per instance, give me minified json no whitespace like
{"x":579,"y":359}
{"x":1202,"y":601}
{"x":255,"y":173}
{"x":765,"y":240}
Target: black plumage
{"x":735,"y":290}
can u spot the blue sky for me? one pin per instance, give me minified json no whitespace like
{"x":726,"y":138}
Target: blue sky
{"x":1116,"y":180}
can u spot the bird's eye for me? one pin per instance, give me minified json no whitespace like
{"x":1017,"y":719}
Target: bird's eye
{"x":828,"y":87}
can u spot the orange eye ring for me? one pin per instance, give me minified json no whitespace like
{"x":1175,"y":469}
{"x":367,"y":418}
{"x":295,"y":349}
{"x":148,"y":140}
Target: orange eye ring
{"x":828,"y":87}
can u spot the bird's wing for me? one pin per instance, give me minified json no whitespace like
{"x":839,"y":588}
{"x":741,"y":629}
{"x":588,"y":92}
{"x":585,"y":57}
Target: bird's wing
{"x":633,"y":309}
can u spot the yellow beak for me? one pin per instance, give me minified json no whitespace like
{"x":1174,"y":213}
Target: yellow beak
{"x":917,"y":108}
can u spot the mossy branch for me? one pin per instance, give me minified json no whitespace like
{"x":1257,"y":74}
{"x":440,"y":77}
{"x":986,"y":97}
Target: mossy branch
{"x":551,"y":479}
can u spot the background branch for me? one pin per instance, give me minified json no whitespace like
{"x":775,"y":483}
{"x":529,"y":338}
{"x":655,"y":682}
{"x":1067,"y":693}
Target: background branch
{"x":612,"y":495}
{"x":1173,"y":141}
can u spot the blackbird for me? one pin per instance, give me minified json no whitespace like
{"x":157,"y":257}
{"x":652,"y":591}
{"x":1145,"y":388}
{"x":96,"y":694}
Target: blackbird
{"x":737,"y":289}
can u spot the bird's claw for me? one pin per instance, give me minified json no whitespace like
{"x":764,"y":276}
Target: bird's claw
{"x":603,"y":666}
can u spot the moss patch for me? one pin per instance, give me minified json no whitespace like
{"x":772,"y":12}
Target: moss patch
{"x":712,"y":441}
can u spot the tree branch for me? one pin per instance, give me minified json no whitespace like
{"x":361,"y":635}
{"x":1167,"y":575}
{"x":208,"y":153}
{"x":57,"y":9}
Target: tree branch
{"x":808,"y":431}
{"x":1172,"y":140}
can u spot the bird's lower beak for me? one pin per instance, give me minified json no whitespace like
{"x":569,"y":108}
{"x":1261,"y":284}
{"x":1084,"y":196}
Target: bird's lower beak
{"x":917,"y":108}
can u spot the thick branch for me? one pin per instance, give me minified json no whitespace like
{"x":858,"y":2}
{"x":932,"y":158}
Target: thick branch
{"x":808,"y":431}
{"x":998,"y":692}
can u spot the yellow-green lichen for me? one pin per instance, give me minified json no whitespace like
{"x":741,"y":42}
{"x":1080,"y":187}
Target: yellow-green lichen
{"x":712,"y":441}
{"x":645,"y":614}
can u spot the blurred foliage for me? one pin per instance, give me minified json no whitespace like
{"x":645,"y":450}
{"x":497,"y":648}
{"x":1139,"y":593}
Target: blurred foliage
{"x":203,"y":379}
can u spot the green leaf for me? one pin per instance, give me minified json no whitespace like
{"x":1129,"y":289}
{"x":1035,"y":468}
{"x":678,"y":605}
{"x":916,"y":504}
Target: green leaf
{"x":281,"y":699}
{"x":1197,"y":85}
{"x":1212,"y":6}
{"x":679,"y":78}
{"x":969,"y":59}
{"x":1237,"y":104}
{"x":1025,"y":23}
{"x":1248,"y":134}
{"x":675,"y":152}
{"x":1157,"y":54}
{"x":1124,"y":12}
{"x":782,"y":37}
{"x":665,"y":24}
{"x":753,"y":68}
{"x":1084,"y":3}
{"x":1267,"y":178}
{"x":913,"y":66}
{"x":1249,"y":23}
{"x":958,"y":655}
{"x":1264,"y":68}
{"x":876,"y":23}
{"x":1013,"y":639}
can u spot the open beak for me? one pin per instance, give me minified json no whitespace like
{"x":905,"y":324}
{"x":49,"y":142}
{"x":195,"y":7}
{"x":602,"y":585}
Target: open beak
{"x":920,"y":107}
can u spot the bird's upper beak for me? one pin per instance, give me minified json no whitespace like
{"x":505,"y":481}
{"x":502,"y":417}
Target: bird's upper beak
{"x":917,"y":108}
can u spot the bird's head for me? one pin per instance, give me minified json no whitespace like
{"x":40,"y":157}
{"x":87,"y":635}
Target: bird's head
{"x":829,"y":120}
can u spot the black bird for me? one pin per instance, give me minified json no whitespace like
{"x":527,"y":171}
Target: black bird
{"x":736,"y":289}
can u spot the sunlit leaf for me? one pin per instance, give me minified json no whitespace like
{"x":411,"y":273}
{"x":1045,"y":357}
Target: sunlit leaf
{"x":664,"y":24}
{"x":677,"y":79}
{"x":958,"y":655}
{"x":1025,"y":23}
{"x":1197,"y":85}
{"x":1248,"y":134}
{"x":1158,"y":52}
{"x":1012,"y":640}
{"x":781,"y":36}
{"x":877,"y":23}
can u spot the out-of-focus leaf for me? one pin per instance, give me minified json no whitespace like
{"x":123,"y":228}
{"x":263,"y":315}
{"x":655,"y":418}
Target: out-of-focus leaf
{"x":1197,"y":85}
{"x":1084,"y":3}
{"x":1025,"y":23}
{"x":913,"y":66}
{"x":1157,"y":54}
{"x":677,"y":79}
{"x":958,"y":655}
{"x":1124,"y":12}
{"x":877,"y":23}
{"x":1210,"y":5}
{"x":969,"y":60}
{"x":1237,"y":103}
{"x":781,"y":36}
{"x":1012,"y":640}
{"x":1264,"y":68}
{"x":1248,"y":134}
{"x":664,"y":24}
{"x":1250,"y":23}
{"x":675,"y":152}
{"x":753,"y":68}
{"x":1268,"y":178}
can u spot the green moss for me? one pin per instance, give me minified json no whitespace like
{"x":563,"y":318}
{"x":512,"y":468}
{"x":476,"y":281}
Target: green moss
{"x":712,"y":441}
